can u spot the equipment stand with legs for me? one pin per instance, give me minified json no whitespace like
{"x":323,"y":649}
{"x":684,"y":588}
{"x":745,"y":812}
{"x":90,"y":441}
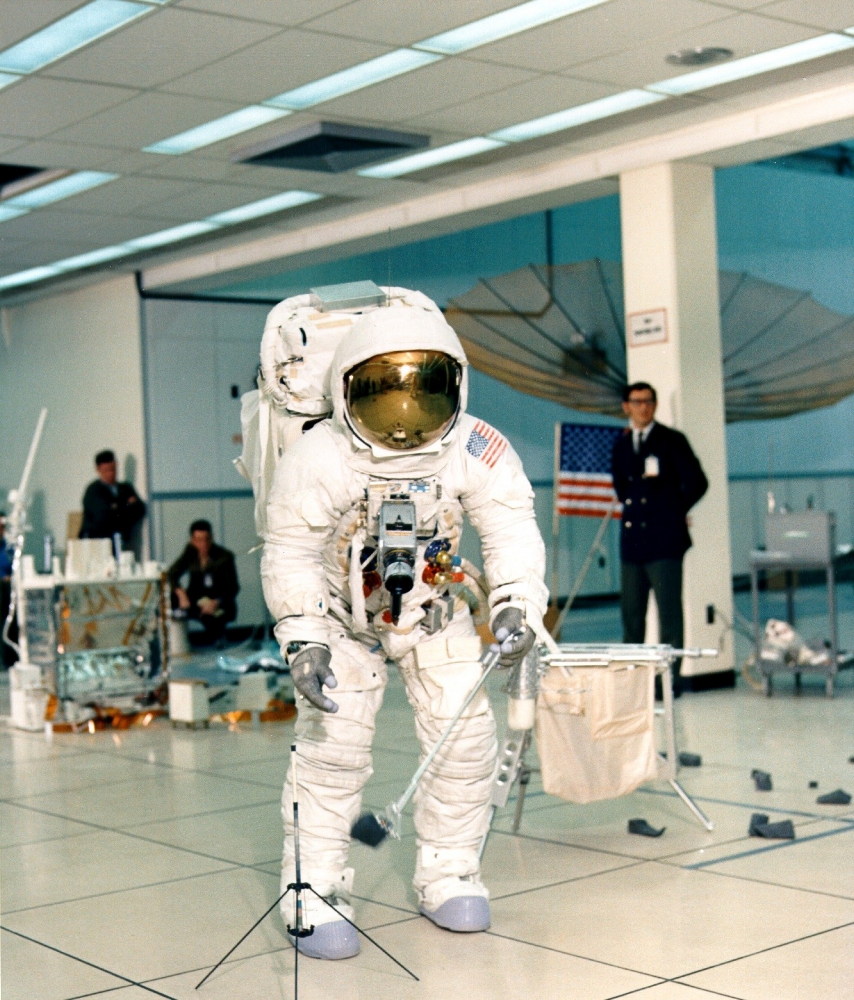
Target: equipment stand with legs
{"x":513,"y":770}
{"x":299,"y":930}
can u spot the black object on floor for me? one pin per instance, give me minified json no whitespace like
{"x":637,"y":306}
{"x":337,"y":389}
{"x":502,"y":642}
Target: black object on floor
{"x":641,"y":827}
{"x":762,"y":780}
{"x":690,"y":759}
{"x":813,"y":784}
{"x":838,"y":798}
{"x":756,"y":820}
{"x":760,"y":827}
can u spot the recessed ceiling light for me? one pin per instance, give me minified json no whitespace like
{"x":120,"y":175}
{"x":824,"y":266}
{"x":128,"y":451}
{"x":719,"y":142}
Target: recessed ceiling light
{"x":93,"y":257}
{"x":266,"y":206}
{"x":69,"y":33}
{"x":762,"y":62}
{"x":432,"y":157}
{"x":47,"y":194}
{"x":702,"y":55}
{"x":7,"y":213}
{"x":502,"y":25}
{"x":172,"y":235}
{"x":366,"y":74}
{"x":29,"y":276}
{"x":217,"y":130}
{"x":593,"y":111}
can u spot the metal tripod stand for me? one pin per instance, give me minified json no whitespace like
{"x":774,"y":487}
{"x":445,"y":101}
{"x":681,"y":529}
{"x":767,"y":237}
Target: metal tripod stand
{"x":300,"y":931}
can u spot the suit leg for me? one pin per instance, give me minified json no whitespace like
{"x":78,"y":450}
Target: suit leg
{"x":634,"y":597}
{"x":666,"y":578}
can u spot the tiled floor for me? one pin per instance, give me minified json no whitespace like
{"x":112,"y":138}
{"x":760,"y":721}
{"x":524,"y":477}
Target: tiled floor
{"x":132,"y":861}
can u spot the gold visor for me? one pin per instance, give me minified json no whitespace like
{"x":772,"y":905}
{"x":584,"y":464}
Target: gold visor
{"x":403,"y":400}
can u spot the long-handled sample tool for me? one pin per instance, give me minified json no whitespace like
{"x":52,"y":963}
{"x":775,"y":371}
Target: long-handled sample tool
{"x":373,"y":828}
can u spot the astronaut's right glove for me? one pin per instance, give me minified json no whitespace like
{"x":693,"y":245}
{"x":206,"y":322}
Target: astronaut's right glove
{"x":515,"y":638}
{"x":310,"y":670}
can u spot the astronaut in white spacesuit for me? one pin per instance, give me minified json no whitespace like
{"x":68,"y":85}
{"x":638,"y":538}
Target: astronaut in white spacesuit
{"x":360,"y":561}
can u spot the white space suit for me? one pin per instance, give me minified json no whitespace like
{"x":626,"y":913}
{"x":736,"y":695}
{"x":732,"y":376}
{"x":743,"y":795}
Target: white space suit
{"x":321,"y":585}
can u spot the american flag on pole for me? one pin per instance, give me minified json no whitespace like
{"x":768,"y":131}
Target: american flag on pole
{"x":585,"y":487}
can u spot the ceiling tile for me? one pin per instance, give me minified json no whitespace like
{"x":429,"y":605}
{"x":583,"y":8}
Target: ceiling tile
{"x":203,"y":200}
{"x":126,"y":195}
{"x":90,"y":230}
{"x":166,"y":44}
{"x":35,"y":107}
{"x":35,"y":254}
{"x":142,"y":120}
{"x":612,"y":27}
{"x":744,"y":34}
{"x":17,"y":20}
{"x":541,"y":96}
{"x":428,"y":89}
{"x":45,"y":153}
{"x":10,"y":142}
{"x":832,"y":15}
{"x":377,"y":20}
{"x":286,"y":12}
{"x":274,"y":66}
{"x":194,"y":168}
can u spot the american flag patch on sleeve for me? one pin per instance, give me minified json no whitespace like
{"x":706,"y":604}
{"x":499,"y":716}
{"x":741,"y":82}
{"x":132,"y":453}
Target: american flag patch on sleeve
{"x":486,"y":443}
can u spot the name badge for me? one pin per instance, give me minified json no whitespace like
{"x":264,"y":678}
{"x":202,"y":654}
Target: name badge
{"x":209,"y":578}
{"x":650,"y":465}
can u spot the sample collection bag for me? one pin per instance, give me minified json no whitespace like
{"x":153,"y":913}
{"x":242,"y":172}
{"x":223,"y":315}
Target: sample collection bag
{"x":595,"y":730}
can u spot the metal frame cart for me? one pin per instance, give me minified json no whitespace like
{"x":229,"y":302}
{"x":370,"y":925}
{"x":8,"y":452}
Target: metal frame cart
{"x":801,"y":540}
{"x":512,"y":769}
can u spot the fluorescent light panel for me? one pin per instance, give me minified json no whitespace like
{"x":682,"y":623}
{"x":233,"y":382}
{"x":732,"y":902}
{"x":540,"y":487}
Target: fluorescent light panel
{"x":605,"y":107}
{"x":432,"y":157}
{"x":266,"y":206}
{"x":70,"y":33}
{"x":7,"y":78}
{"x":7,"y":213}
{"x":762,"y":62}
{"x":65,"y":187}
{"x":502,"y":25}
{"x":355,"y":78}
{"x":217,"y":130}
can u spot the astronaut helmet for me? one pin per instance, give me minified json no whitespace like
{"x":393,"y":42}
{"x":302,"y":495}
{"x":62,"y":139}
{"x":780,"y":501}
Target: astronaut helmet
{"x":402,"y":380}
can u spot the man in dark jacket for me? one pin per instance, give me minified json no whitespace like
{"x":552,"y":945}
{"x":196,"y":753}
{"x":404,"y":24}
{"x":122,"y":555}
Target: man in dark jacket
{"x":658,"y":479}
{"x":210,"y":594}
{"x":110,"y":507}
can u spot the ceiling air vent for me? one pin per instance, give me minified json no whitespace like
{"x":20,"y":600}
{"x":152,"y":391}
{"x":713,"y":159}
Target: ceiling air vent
{"x":11,"y":172}
{"x":330,"y":148}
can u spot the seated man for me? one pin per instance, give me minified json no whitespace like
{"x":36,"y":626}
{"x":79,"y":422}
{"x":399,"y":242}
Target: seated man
{"x":110,"y":507}
{"x":209,"y":597}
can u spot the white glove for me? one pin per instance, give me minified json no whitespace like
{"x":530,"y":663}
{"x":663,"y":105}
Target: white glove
{"x":515,"y":638}
{"x":310,"y":670}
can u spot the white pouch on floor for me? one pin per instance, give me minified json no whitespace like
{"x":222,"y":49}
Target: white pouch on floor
{"x":595,"y":731}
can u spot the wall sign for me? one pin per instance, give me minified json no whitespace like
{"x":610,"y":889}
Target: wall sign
{"x":647,"y":327}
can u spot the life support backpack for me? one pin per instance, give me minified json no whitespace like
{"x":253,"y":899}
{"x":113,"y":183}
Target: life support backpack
{"x":294,"y":388}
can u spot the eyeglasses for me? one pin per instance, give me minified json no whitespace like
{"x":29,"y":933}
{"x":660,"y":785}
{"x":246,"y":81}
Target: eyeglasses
{"x":648,"y":401}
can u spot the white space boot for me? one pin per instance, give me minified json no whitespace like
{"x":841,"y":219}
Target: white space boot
{"x":456,"y":902}
{"x":333,"y":937}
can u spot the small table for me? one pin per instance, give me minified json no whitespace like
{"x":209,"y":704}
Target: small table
{"x":784,"y":562}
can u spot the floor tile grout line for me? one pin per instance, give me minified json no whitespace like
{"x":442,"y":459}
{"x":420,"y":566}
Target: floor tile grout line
{"x":742,"y":839}
{"x":564,"y":843}
{"x":778,"y":885}
{"x":568,"y":881}
{"x":769,"y":847}
{"x":83,"y":961}
{"x":738,"y":805}
{"x":116,"y":892}
{"x":99,"y":993}
{"x":762,"y":951}
{"x":128,"y":830}
{"x":584,"y":958}
{"x":704,"y":989}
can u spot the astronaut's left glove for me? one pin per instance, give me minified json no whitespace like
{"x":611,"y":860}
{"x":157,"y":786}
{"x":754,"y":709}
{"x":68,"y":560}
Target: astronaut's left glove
{"x":515,"y":638}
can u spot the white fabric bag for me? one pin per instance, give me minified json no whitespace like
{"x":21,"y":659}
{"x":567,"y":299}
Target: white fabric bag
{"x":595,"y":730}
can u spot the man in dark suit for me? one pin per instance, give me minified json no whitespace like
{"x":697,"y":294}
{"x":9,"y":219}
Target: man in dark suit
{"x":658,"y":479}
{"x":212,"y":587}
{"x":110,"y":507}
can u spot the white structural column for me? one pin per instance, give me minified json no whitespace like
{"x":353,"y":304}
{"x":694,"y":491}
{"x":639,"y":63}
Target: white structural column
{"x":673,"y":341}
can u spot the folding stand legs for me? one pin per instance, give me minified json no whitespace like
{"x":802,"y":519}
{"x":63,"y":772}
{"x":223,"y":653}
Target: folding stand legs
{"x":299,"y":930}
